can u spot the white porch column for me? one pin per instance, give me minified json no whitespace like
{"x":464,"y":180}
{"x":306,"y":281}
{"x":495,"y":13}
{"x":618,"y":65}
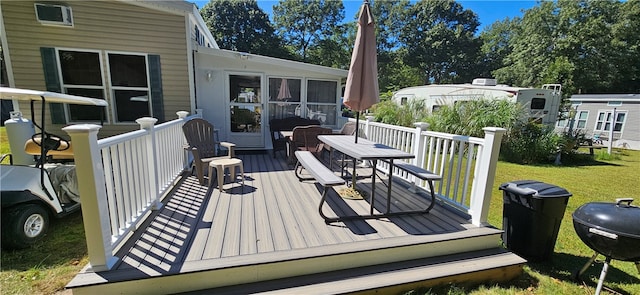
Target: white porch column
{"x":147,"y":123}
{"x":93,"y":196}
{"x":485,"y":175}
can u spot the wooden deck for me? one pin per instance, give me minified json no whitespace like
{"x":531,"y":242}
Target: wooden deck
{"x":270,"y":229}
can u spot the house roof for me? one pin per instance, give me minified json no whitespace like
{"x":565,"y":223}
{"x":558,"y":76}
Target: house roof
{"x":605,"y":97}
{"x":272,"y":61}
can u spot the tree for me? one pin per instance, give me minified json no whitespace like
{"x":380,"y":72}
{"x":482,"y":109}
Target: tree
{"x":439,"y":38}
{"x":587,"y":46}
{"x":626,"y":38}
{"x":242,"y":26}
{"x":308,"y":25}
{"x":496,"y":42}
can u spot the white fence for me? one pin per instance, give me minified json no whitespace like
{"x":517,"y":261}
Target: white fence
{"x":131,"y":173}
{"x":127,"y":175}
{"x":466,"y":164}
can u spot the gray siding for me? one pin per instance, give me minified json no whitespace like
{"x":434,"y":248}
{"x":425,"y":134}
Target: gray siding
{"x":631,"y":127}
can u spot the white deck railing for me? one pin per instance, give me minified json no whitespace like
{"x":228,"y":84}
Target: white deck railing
{"x":122,"y":178}
{"x":466,"y":164}
{"x":135,"y":170}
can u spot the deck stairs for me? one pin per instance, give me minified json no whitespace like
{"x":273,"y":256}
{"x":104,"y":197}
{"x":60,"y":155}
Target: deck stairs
{"x":484,"y":266}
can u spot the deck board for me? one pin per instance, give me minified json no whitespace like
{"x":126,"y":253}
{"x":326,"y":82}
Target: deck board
{"x":273,"y":214}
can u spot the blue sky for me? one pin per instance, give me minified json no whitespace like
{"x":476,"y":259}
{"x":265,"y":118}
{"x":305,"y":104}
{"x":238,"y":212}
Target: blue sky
{"x":488,"y":11}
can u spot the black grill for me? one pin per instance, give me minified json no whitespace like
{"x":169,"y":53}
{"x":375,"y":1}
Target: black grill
{"x":610,"y":229}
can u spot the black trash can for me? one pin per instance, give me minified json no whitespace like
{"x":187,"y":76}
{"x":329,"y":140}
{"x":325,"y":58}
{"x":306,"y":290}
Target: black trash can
{"x":531,"y":218}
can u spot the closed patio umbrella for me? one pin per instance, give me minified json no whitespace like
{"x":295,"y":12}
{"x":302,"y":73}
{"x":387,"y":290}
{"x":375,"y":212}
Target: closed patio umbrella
{"x":361,"y":91}
{"x":284,"y":93}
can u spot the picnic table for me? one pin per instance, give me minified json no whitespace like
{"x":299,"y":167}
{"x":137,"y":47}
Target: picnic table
{"x":371,"y":151}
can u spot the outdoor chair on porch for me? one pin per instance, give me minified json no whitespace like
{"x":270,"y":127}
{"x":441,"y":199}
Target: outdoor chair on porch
{"x":305,"y":138}
{"x":204,"y":146}
{"x":279,"y":141}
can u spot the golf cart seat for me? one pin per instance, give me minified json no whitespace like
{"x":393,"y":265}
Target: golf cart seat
{"x":63,"y":152}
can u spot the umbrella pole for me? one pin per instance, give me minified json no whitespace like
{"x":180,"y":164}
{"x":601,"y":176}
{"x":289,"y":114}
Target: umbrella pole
{"x":357,"y":125}
{"x":353,"y":175}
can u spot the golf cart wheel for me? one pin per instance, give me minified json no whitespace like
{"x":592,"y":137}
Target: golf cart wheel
{"x":23,"y":226}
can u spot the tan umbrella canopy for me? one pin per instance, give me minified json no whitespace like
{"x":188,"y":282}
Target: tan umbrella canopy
{"x":361,"y":91}
{"x":284,"y":93}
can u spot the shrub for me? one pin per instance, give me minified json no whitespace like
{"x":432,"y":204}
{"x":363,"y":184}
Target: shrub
{"x":469,"y":117}
{"x":387,"y":111}
{"x":530,"y":143}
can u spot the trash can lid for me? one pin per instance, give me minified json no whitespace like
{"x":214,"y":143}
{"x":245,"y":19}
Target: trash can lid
{"x":534,"y":188}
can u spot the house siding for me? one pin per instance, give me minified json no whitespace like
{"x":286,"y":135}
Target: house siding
{"x":631,"y":127}
{"x":104,"y":26}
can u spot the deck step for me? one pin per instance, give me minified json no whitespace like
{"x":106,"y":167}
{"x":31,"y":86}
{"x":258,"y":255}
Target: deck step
{"x":492,"y":265}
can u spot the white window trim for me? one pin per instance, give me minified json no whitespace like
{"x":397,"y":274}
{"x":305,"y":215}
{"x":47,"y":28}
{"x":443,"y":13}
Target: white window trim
{"x":336,"y":103}
{"x":65,"y":86}
{"x":113,"y":88}
{"x":577,"y":119}
{"x":616,"y":103}
{"x":604,"y":123}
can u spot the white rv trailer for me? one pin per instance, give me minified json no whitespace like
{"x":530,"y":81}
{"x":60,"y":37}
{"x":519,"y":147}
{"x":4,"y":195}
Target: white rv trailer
{"x":542,"y":104}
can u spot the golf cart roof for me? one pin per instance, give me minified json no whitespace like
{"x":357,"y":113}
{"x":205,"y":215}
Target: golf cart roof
{"x":36,"y":95}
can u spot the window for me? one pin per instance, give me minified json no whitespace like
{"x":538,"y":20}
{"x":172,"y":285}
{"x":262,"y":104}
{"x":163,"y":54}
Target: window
{"x":581,"y":119}
{"x":538,"y":103}
{"x":284,"y":97}
{"x":321,"y":101}
{"x":129,"y":86}
{"x":81,"y":74}
{"x":604,"y":121}
{"x":563,"y":122}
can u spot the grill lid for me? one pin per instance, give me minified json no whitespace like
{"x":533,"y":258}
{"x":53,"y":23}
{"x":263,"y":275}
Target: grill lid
{"x":620,"y":218}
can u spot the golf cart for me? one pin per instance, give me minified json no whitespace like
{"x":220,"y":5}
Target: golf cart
{"x":31,"y":192}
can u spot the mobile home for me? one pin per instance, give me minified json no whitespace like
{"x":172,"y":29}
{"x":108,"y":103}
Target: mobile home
{"x":592,"y":114}
{"x":541,"y":103}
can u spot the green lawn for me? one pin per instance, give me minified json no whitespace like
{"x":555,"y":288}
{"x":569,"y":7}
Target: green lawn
{"x":48,"y":266}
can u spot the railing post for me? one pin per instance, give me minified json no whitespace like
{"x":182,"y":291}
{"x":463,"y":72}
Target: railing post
{"x":366,"y":126}
{"x":485,"y":175}
{"x":147,"y":123}
{"x":182,"y":114}
{"x":418,"y":150}
{"x":185,"y":155}
{"x":93,"y":196}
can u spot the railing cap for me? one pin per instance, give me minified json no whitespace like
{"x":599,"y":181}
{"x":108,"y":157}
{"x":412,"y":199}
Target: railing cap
{"x":82,"y":128}
{"x":182,"y":114}
{"x":494,"y":130}
{"x":146,"y":122}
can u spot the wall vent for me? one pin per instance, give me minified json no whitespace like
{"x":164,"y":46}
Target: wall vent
{"x":51,"y":14}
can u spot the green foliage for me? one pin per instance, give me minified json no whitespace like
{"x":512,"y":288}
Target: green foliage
{"x":580,"y":44}
{"x":469,"y":117}
{"x":307,"y":25}
{"x":603,"y":155}
{"x":389,"y":112}
{"x":4,"y":144}
{"x":242,"y":26}
{"x":530,"y":143}
{"x":439,"y":38}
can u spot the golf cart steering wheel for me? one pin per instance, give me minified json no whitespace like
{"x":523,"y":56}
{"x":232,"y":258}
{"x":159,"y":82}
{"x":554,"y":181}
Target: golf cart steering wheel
{"x":50,"y":141}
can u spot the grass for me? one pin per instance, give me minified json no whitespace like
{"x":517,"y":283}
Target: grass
{"x":4,"y":144}
{"x":50,"y":265}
